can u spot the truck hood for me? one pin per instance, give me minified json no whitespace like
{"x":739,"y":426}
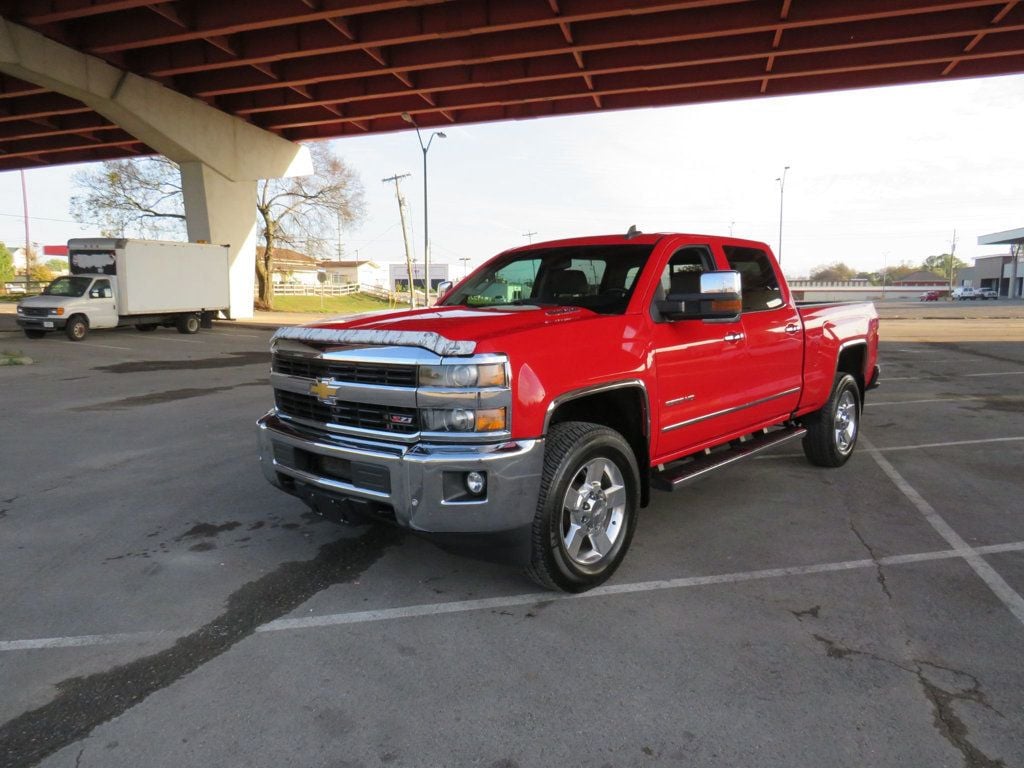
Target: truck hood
{"x":46,"y":302}
{"x":443,"y":330}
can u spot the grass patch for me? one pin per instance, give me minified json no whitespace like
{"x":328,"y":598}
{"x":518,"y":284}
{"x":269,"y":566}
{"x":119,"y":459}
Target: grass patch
{"x":12,"y":298}
{"x":9,"y":357}
{"x":333,"y":305}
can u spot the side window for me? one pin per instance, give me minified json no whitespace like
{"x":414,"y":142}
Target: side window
{"x":683,"y":271}
{"x":103,"y":287}
{"x":761,"y":289}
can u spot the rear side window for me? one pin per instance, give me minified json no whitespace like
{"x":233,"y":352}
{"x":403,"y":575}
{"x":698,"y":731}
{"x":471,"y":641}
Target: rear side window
{"x":761,"y":289}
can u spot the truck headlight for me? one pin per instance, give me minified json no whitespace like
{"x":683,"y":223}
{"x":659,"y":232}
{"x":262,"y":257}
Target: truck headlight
{"x":57,"y":312}
{"x":463,"y":419}
{"x":462,"y":376}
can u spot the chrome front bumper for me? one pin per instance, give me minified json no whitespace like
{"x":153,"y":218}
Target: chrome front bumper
{"x":410,"y":481}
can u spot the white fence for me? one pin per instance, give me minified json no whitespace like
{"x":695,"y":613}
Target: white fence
{"x":326,"y":289}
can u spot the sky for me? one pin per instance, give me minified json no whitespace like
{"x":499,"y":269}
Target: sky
{"x":876,"y":177}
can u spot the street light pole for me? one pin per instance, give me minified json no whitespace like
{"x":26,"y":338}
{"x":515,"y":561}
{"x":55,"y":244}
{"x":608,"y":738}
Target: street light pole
{"x":782,"y":193}
{"x":426,"y":221}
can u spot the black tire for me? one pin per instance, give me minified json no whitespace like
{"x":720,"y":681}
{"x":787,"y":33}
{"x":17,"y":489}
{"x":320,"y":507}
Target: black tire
{"x":832,"y":431}
{"x":77,"y":328}
{"x":34,"y":333}
{"x":187,"y":323}
{"x":146,"y":327}
{"x":577,"y":450}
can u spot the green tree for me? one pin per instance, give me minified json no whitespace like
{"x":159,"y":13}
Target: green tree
{"x":40,"y":273}
{"x":57,"y":265}
{"x":6,"y":265}
{"x":143,"y":198}
{"x":835,"y":272}
{"x":940,"y":264}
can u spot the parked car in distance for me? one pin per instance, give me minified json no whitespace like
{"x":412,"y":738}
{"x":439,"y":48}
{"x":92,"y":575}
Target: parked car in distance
{"x":965,"y":294}
{"x":987,"y":293}
{"x":930,"y":296}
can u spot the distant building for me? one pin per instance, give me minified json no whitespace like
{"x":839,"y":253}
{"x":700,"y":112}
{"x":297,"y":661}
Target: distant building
{"x":398,"y":275}
{"x":993,"y":272}
{"x":362,"y":272}
{"x":294,"y":268}
{"x":922,"y":278}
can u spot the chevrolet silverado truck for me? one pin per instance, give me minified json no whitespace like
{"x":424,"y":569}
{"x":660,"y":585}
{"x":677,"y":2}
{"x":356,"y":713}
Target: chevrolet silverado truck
{"x":530,"y":414}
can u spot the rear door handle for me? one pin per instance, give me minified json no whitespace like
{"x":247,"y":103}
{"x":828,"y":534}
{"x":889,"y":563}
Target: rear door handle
{"x":734,"y":337}
{"x":792,"y":328}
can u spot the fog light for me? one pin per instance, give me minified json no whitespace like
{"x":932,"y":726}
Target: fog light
{"x":476,"y":482}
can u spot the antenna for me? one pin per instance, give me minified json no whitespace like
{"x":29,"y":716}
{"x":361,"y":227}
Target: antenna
{"x":632,"y":232}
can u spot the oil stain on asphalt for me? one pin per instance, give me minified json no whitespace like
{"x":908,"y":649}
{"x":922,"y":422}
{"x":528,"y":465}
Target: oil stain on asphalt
{"x":169,"y":396}
{"x":236,"y":360}
{"x":83,"y":703}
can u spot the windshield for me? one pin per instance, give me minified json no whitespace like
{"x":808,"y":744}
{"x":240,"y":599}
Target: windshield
{"x":68,"y":286}
{"x":597,"y":277}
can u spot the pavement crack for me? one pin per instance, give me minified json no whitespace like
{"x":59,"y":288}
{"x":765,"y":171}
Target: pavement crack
{"x":879,"y":573}
{"x":944,"y":716}
{"x":83,"y":703}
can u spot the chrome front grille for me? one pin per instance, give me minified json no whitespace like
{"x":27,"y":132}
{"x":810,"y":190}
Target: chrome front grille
{"x":382,"y":418}
{"x":354,"y":372}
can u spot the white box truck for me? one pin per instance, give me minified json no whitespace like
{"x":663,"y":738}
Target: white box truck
{"x":145,"y":283}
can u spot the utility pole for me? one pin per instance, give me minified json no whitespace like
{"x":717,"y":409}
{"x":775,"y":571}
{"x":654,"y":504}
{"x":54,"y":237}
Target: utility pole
{"x":782,"y":195}
{"x":405,"y":236}
{"x":529,"y":236}
{"x":952,"y":252}
{"x":465,"y":266}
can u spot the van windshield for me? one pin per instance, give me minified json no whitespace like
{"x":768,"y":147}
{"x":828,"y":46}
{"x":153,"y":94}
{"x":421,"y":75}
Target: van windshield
{"x":68,"y":286}
{"x":598,"y":277}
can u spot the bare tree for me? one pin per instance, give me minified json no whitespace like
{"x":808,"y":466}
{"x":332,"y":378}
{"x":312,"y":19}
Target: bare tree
{"x":304,"y":210}
{"x":142,"y":197}
{"x":139,"y":197}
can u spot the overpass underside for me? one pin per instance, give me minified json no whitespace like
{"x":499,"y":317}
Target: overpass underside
{"x":225,"y":88}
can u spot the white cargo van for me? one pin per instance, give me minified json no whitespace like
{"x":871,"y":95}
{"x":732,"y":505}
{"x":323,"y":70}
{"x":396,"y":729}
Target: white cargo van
{"x":145,"y":283}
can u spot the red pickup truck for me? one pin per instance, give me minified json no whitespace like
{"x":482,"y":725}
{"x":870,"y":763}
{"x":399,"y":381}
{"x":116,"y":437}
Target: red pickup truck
{"x":530,"y":414}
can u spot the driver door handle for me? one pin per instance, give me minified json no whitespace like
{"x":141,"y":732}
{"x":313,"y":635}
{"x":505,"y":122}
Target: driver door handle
{"x":733,"y":337}
{"x":792,"y":328}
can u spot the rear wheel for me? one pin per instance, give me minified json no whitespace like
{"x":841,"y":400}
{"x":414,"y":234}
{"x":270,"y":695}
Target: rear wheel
{"x":590,"y":495}
{"x":832,"y":431}
{"x":187,"y":323}
{"x":76,"y":328}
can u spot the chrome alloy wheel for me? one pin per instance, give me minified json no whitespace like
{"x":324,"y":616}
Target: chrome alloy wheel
{"x":593,"y":511}
{"x":846,"y":422}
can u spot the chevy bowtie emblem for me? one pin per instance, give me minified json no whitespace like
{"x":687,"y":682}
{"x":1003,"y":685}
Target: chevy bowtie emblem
{"x":323,"y":390}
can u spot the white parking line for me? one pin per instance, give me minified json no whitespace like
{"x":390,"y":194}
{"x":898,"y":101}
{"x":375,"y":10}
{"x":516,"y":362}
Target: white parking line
{"x":1004,"y":373}
{"x":1010,"y":598}
{"x":918,"y":447}
{"x":178,"y":341}
{"x":466,"y":606}
{"x":103,"y":346}
{"x":959,"y":398}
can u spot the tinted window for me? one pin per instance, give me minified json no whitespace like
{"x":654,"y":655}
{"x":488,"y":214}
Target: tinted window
{"x":760,"y":285}
{"x":597,"y":277}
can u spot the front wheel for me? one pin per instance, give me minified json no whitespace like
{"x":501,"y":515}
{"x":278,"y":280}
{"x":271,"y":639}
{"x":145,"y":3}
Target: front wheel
{"x":77,"y":328}
{"x":587,"y":510}
{"x":832,"y":431}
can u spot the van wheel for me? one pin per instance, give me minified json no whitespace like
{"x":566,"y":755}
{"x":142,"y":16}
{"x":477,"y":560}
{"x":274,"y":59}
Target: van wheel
{"x":187,"y":323}
{"x":34,"y":333}
{"x":146,"y":327}
{"x":589,"y":499}
{"x":832,"y":431}
{"x":76,"y":328}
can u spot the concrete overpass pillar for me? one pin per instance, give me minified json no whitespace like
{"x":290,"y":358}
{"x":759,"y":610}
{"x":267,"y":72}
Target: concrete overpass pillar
{"x":220,"y":156}
{"x":221,"y":211}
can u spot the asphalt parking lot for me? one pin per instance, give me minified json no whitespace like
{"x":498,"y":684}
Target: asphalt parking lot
{"x":162,"y":605}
